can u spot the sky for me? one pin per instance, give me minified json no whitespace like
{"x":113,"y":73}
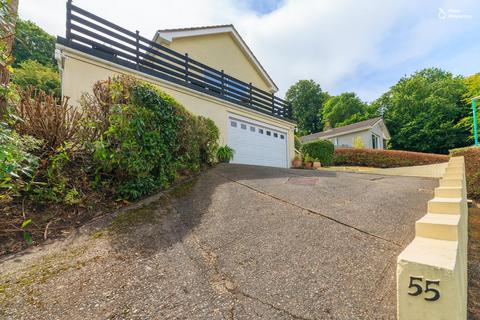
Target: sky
{"x":361,"y":46}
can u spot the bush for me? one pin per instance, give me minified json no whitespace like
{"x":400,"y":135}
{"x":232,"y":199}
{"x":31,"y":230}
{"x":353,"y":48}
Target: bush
{"x":472,"y":168}
{"x":384,"y":158}
{"x":321,"y":150}
{"x":225,"y":154}
{"x":44,"y":117}
{"x":17,"y":163}
{"x":297,"y":142}
{"x":148,"y":138}
{"x":33,"y":74}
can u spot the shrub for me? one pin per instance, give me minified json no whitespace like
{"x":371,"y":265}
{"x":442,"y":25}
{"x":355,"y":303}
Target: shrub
{"x":43,"y":117}
{"x":56,"y":181}
{"x":197,"y":140}
{"x":358,"y":142}
{"x":17,"y":163}
{"x":321,"y":150}
{"x":33,"y":74}
{"x":208,"y":136}
{"x":297,"y":143}
{"x":225,"y":154}
{"x":472,"y":168}
{"x":148,"y":138}
{"x":384,"y":158}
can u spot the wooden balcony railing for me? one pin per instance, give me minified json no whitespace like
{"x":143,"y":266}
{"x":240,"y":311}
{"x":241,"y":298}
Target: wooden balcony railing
{"x":96,"y":36}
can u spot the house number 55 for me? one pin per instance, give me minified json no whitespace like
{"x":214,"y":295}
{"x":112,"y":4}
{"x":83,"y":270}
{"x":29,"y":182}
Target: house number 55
{"x":416,"y":284}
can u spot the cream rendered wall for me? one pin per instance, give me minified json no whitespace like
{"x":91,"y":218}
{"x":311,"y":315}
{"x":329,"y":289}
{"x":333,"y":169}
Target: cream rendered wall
{"x":81,"y":71}
{"x":438,"y":254}
{"x":221,"y":51}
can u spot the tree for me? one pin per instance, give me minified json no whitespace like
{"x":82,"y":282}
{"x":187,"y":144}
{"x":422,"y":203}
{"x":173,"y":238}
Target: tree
{"x":32,"y":73}
{"x":358,"y":142}
{"x":422,"y":111}
{"x":8,"y":15}
{"x":344,"y":109}
{"x":307,"y":99}
{"x":33,"y":43}
{"x":473,"y":90}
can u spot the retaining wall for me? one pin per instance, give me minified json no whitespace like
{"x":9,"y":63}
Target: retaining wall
{"x":432,"y":270}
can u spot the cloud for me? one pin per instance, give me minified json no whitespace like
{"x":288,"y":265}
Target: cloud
{"x":345,"y":45}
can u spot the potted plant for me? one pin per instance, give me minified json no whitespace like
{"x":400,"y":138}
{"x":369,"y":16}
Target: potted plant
{"x":297,"y":161}
{"x":225,"y":154}
{"x":308,"y":162}
{"x":316,"y":163}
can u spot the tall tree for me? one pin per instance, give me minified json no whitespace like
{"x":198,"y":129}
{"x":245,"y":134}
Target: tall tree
{"x":307,"y":99}
{"x":33,"y":43}
{"x":422,"y":111}
{"x":344,"y":109}
{"x":473,"y":90}
{"x":8,"y":15}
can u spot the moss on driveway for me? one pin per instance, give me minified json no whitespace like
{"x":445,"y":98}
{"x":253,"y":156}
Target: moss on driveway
{"x":241,"y":242}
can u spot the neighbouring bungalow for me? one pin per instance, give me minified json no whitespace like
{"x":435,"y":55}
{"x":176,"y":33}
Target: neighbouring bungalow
{"x":210,"y":70}
{"x":371,"y":134}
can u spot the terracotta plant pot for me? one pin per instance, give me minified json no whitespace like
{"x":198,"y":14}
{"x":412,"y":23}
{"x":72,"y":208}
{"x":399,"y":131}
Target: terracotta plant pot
{"x":296,"y":163}
{"x":317,"y":164}
{"x":308,"y":165}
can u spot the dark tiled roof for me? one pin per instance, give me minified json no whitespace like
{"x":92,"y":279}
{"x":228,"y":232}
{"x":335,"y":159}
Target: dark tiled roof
{"x":338,"y":131}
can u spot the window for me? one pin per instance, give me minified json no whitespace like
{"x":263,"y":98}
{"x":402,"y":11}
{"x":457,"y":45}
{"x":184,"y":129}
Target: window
{"x":252,"y":129}
{"x":233,"y":124}
{"x":243,"y":126}
{"x":375,"y":140}
{"x":269,"y":133}
{"x":260,"y":131}
{"x":275,"y":135}
{"x":282,"y":136}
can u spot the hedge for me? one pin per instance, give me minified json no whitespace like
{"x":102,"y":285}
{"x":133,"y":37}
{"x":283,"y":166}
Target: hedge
{"x":149,"y":137}
{"x":472,"y":167}
{"x":321,"y":150}
{"x":384,"y":158}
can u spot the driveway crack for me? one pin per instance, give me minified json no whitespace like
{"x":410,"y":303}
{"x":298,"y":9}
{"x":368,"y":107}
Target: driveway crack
{"x":268,"y":304}
{"x":222,"y":284}
{"x":311,"y":211}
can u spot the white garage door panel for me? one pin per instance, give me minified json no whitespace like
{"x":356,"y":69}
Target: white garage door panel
{"x":253,"y":145}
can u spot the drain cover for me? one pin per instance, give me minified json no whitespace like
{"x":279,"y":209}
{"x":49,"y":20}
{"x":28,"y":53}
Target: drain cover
{"x":304,"y":181}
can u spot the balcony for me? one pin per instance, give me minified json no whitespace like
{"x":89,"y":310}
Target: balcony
{"x":98,"y":37}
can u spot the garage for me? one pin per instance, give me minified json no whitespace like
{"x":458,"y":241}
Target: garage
{"x":257,"y":143}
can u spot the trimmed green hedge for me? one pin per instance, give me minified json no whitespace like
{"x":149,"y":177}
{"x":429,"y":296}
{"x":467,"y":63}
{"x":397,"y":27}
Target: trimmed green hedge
{"x":384,"y":158}
{"x":472,"y":168}
{"x":149,"y":138}
{"x":321,"y":150}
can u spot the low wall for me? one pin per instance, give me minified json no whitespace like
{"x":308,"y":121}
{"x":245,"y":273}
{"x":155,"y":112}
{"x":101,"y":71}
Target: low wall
{"x":432,"y":270}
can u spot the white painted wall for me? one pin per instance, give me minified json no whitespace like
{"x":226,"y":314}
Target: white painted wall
{"x":346,"y":140}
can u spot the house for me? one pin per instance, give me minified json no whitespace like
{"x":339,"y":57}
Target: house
{"x":209,"y":70}
{"x":371,"y":134}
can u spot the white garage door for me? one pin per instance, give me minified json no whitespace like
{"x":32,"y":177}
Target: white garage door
{"x":256,"y":143}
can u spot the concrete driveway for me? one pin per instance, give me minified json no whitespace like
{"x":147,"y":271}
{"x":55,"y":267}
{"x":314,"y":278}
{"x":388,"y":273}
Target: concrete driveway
{"x":242,"y":242}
